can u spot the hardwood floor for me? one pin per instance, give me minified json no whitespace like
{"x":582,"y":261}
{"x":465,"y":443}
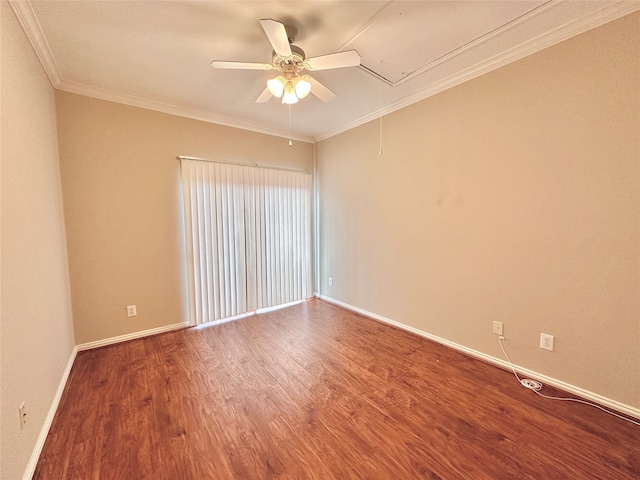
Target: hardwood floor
{"x":317,"y":392}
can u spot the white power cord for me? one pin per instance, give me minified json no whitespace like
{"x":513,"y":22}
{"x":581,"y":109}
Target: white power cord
{"x":536,"y":386}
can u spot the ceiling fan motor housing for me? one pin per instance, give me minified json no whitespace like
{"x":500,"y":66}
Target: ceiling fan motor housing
{"x":297,"y":58}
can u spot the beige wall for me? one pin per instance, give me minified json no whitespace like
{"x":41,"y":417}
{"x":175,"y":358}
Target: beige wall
{"x":36,"y":325}
{"x":123,"y":206}
{"x":513,"y":197}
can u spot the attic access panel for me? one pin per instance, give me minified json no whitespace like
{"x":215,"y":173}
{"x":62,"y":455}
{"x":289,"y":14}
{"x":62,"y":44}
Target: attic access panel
{"x":430,"y":31}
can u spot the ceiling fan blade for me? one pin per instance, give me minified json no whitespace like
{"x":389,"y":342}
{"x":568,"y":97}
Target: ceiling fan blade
{"x":319,"y":90}
{"x":277,"y":35}
{"x":350,"y":58}
{"x":265,"y":96}
{"x":241,"y":65}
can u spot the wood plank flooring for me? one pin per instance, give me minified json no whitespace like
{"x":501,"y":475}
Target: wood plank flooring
{"x":316,"y":392}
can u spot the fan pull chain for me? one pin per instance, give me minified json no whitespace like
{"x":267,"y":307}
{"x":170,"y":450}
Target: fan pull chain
{"x":290,"y":142}
{"x":380,"y":146}
{"x":380,"y":110}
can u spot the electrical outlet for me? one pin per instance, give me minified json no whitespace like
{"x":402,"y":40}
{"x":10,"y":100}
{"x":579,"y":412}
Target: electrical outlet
{"x":497,"y":328}
{"x":131,"y":311}
{"x":330,"y":281}
{"x":22,"y":411}
{"x":546,"y":342}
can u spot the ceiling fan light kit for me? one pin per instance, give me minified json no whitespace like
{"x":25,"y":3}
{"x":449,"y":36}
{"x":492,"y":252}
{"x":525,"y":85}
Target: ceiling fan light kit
{"x":289,"y":90}
{"x":290,"y":60}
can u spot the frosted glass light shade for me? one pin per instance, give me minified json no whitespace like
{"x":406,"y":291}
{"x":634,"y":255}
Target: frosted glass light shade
{"x":302,"y":88}
{"x":276,"y":86}
{"x":289,"y":96}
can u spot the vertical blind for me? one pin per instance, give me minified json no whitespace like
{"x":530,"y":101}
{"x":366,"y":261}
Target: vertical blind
{"x":248,"y":238}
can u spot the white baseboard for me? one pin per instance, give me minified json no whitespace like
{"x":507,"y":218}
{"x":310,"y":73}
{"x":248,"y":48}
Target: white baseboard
{"x":44,"y":431}
{"x":131,"y":336}
{"x":607,"y":402}
{"x":586,"y":394}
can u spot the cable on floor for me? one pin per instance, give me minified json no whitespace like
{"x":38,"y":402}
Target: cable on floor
{"x":536,"y":386}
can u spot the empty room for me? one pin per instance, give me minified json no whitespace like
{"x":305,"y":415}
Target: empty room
{"x":320,"y":239}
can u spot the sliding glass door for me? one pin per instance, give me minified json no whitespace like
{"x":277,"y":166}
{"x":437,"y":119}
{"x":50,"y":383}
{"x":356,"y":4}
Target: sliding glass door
{"x":248,"y":238}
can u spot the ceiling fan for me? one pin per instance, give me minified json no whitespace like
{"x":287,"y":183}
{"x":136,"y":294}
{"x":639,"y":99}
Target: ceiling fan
{"x":290,"y":61}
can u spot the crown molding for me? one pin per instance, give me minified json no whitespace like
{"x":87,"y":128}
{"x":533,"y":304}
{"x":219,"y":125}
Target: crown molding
{"x":134,"y":101}
{"x":27,"y":18}
{"x":29,"y":22}
{"x":588,"y":22}
{"x":480,"y":40}
{"x":32,"y":29}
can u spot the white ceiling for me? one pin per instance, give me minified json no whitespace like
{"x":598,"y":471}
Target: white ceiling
{"x":157,"y":54}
